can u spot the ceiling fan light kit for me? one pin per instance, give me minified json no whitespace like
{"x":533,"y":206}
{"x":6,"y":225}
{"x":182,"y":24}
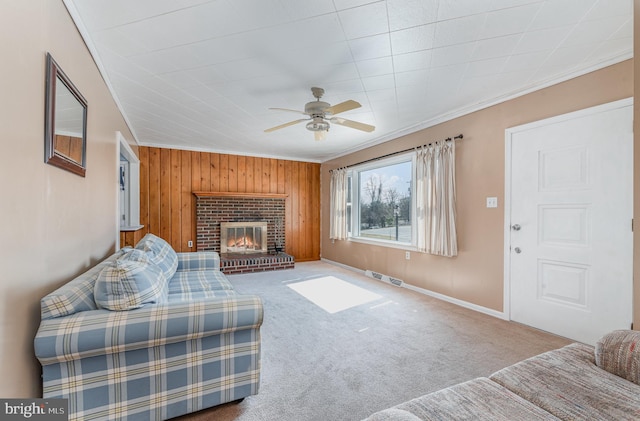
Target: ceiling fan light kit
{"x":318,"y":124}
{"x":321,"y":113}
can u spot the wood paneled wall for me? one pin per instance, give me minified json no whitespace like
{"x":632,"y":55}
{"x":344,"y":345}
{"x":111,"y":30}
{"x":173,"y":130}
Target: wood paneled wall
{"x":169,"y":176}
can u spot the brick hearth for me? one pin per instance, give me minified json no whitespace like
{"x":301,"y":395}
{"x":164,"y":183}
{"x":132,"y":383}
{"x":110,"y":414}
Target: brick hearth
{"x":213,"y":208}
{"x":259,"y":262}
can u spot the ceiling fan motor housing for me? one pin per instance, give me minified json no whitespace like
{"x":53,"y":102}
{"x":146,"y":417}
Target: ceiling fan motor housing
{"x":316,"y":109}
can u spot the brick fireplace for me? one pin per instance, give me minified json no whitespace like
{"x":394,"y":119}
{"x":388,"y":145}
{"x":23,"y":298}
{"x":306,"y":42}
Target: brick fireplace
{"x":213,"y":208}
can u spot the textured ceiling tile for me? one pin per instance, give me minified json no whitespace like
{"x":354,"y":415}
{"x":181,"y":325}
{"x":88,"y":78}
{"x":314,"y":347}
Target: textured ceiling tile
{"x":412,"y":61}
{"x":405,"y":14}
{"x":370,"y":47}
{"x":337,"y":73}
{"x":164,"y":61}
{"x":495,"y":47}
{"x":378,"y":82}
{"x":453,"y":9}
{"x":458,"y":31}
{"x":318,"y":31}
{"x":504,"y":4}
{"x":509,"y":21}
{"x":413,"y":78}
{"x":474,"y":89}
{"x":625,"y":31}
{"x":382,"y":96}
{"x":220,"y":50}
{"x":119,"y":43}
{"x":297,"y":9}
{"x":485,"y":67}
{"x":188,"y":25}
{"x":614,"y":47}
{"x":568,"y":57}
{"x":120,"y":12}
{"x":412,"y":95}
{"x":347,"y":4}
{"x":375,"y":67}
{"x":446,"y":75}
{"x":209,"y":75}
{"x":413,"y":39}
{"x":345,"y":86}
{"x":546,"y":39}
{"x":593,"y":31}
{"x":609,"y":8}
{"x":521,"y":62}
{"x":365,"y":20}
{"x":247,"y":69}
{"x":557,"y":13}
{"x":454,"y":54}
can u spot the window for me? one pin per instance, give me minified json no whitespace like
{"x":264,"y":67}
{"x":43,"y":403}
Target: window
{"x":380,"y":204}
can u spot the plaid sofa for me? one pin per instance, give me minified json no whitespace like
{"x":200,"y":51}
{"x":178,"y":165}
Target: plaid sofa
{"x":196,"y":346}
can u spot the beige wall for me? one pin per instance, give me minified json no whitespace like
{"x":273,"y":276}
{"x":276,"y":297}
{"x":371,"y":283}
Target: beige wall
{"x":476,"y":274}
{"x":54,"y":224}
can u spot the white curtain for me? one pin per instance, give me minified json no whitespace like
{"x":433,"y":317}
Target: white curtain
{"x":338,"y":205}
{"x":436,"y":199}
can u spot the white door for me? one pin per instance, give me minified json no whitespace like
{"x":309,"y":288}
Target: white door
{"x":569,"y":242}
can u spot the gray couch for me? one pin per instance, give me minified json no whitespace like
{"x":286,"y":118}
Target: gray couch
{"x":576,"y":382}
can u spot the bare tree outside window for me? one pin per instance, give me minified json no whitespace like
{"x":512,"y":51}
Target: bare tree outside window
{"x":385,"y":203}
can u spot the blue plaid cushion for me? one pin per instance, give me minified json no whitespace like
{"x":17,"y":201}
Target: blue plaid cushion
{"x":76,"y":295}
{"x":198,"y":281}
{"x":130,"y":282}
{"x":160,"y":253}
{"x":198,"y":260}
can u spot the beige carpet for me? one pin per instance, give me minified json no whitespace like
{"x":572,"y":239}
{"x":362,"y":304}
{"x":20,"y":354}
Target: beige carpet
{"x":345,"y":365}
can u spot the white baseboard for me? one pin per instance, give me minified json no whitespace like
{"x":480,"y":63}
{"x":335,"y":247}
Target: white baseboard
{"x":461,"y":303}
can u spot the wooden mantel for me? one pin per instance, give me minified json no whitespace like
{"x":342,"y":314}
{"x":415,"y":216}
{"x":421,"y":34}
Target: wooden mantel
{"x":239,"y":194}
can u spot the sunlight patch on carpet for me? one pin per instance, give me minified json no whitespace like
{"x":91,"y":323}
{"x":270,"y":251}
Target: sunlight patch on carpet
{"x":333,"y":294}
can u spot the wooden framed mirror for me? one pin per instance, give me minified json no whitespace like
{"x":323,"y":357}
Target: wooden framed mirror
{"x":65,"y":122}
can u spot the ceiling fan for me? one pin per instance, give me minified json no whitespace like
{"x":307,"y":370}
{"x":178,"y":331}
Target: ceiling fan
{"x":321,"y":113}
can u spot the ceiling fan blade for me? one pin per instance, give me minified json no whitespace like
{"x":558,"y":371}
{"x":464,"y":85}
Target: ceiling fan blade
{"x":291,"y":111}
{"x":282,"y":126}
{"x":320,"y":135}
{"x":353,"y":124}
{"x":342,"y":107}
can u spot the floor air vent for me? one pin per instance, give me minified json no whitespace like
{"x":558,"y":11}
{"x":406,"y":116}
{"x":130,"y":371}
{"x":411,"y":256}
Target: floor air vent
{"x":384,"y":278}
{"x":395,"y":281}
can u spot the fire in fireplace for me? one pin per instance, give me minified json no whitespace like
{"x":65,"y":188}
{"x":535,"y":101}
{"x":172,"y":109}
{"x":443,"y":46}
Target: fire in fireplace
{"x":243,"y":237}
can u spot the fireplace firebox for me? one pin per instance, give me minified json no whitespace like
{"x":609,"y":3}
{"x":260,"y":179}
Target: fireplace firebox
{"x":243,"y":237}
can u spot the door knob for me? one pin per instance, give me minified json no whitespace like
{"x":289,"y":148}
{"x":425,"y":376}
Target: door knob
{"x":516,"y":227}
{"x":517,"y":250}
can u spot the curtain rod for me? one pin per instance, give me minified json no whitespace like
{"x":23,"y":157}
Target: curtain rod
{"x":460,"y":136}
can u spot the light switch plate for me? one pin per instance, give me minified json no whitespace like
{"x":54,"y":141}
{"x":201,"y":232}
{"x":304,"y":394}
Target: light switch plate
{"x":492,"y":202}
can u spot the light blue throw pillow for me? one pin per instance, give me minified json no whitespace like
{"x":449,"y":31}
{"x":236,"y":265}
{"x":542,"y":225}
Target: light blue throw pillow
{"x":160,"y":253}
{"x":130,"y":282}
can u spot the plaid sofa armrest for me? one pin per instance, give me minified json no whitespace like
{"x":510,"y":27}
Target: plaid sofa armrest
{"x":198,"y":260}
{"x":101,"y":332}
